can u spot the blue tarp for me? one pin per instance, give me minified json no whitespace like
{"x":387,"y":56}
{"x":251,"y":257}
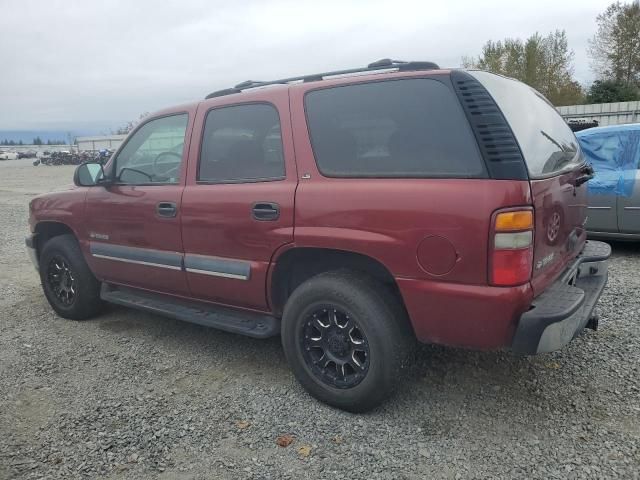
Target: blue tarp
{"x":614,"y":152}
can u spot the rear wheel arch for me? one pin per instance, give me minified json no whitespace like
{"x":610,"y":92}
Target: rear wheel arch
{"x":294,"y":266}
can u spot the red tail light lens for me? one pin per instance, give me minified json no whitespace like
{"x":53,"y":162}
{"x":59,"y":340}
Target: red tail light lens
{"x":512,"y":267}
{"x":511,"y":248}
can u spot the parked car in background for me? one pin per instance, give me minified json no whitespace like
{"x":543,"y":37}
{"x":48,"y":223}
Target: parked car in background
{"x":7,"y":155}
{"x":352,"y":213}
{"x":614,"y":192}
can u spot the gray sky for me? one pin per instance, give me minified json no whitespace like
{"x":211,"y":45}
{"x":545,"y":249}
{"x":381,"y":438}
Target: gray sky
{"x":76,"y":64}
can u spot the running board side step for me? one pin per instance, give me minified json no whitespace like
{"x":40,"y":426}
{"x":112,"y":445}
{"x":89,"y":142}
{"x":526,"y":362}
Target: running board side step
{"x":251,"y":324}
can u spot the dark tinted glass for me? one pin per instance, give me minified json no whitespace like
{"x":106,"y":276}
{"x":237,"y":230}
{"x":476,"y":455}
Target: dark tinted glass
{"x":241,"y":143}
{"x":399,"y":128}
{"x":547,"y":143}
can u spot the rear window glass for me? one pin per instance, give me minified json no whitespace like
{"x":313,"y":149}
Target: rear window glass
{"x":396,"y":128}
{"x":547,"y":143}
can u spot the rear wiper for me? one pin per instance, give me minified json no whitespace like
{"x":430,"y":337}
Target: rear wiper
{"x":587,"y":174}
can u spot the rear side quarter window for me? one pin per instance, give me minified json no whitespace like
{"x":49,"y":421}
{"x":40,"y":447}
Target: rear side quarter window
{"x":411,"y":128}
{"x":547,"y":143}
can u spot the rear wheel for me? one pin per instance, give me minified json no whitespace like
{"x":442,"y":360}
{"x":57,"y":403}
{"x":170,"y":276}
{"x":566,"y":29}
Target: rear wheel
{"x":68,"y":283}
{"x":346,"y":339}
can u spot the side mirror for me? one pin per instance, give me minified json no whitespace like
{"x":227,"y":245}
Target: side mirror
{"x":89,"y":174}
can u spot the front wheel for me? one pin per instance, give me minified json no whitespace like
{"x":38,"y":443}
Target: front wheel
{"x":346,"y":339}
{"x":68,"y":283}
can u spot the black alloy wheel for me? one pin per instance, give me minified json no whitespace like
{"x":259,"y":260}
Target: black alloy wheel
{"x":347,"y":339}
{"x":61,"y":281}
{"x":335,"y":347}
{"x":68,"y":283}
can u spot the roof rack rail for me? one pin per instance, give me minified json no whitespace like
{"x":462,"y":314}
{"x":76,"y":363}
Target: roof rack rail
{"x":383,"y":64}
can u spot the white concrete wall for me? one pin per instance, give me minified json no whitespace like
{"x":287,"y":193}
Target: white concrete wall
{"x":604,"y":113}
{"x":111,"y":142}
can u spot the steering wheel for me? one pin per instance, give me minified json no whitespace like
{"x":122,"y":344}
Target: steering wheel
{"x":170,"y":172}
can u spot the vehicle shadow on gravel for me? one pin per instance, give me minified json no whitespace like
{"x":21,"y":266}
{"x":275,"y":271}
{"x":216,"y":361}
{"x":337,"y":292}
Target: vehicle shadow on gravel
{"x":466,"y":371}
{"x":182,"y":338}
{"x":443,"y":367}
{"x":492,"y":389}
{"x":454,"y":377}
{"x":436,"y":374}
{"x":466,"y":387}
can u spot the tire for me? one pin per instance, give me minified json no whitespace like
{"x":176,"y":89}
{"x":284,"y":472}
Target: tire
{"x":68,"y":283}
{"x":372,"y":320}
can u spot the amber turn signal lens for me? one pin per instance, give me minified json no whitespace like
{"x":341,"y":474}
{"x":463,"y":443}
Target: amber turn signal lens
{"x":518,"y":220}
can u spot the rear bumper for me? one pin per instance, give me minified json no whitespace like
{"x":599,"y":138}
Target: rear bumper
{"x":473,"y":316}
{"x":30,"y":242}
{"x":562,"y":311}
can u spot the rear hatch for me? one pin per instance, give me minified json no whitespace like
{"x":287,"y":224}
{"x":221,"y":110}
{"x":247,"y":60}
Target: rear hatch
{"x":556,"y":170}
{"x":560,"y":204}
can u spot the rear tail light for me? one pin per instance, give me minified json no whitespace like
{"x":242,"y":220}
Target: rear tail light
{"x":511,"y":248}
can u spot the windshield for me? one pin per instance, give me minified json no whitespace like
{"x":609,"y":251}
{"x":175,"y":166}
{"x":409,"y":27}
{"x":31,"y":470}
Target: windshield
{"x":547,"y":143}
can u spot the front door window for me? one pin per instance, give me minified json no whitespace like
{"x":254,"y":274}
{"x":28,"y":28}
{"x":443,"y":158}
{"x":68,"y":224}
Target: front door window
{"x":153,"y":155}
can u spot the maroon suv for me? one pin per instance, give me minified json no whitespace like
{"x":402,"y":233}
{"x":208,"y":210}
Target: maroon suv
{"x":350,"y":212}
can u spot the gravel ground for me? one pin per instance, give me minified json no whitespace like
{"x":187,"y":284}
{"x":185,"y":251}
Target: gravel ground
{"x":132,"y":395}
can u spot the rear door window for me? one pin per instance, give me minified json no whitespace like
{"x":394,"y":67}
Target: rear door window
{"x":242,"y":143}
{"x":393,"y":128}
{"x":548,"y":145}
